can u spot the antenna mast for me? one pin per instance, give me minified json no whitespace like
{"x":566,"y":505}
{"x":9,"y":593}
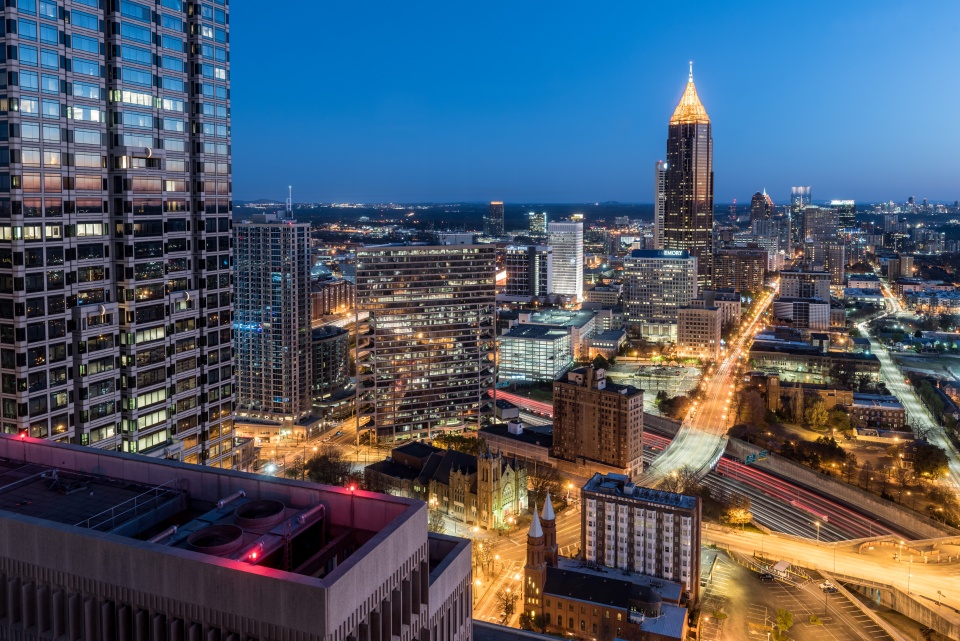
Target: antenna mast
{"x":289,"y":201}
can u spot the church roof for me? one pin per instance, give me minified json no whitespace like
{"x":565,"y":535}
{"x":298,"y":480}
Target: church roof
{"x":690,"y":111}
{"x":548,"y":514}
{"x":535,"y":530}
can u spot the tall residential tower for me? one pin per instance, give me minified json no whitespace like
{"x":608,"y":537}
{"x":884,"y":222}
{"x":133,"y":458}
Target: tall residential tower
{"x":493,"y":221}
{"x":566,"y":238}
{"x":688,"y":210}
{"x":659,"y":202}
{"x":115,"y":248}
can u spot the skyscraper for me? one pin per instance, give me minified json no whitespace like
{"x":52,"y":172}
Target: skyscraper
{"x":567,"y":242}
{"x":529,"y":271}
{"x":656,"y":283}
{"x":799,"y":201}
{"x":846,"y":213}
{"x":118,"y":200}
{"x":493,"y":221}
{"x":761,"y":206}
{"x":688,"y":209}
{"x":272,"y":300}
{"x":659,"y":202}
{"x":427,"y":364}
{"x":538,"y":223}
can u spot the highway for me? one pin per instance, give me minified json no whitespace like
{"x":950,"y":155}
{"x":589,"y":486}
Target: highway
{"x":917,"y":414}
{"x":702,"y":436}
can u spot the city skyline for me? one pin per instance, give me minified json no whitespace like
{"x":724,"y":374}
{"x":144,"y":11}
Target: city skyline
{"x":533,"y":118}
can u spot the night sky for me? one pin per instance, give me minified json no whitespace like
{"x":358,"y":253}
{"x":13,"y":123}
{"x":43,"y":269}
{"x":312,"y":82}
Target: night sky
{"x":569,"y":101}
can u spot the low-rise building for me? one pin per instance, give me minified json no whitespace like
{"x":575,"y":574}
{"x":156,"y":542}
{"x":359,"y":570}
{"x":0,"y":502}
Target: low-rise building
{"x":805,"y":284}
{"x":534,"y":353}
{"x":807,"y":364}
{"x":863,"y":281}
{"x":868,"y":296}
{"x":878,"y":411}
{"x":803,"y":313}
{"x":726,"y":300}
{"x":607,"y":295}
{"x":698,"y":332}
{"x":579,"y":324}
{"x":606,"y":344}
{"x":482,"y":490}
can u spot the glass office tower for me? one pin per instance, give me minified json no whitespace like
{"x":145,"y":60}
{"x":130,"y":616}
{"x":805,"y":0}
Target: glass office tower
{"x":427,"y":364}
{"x":115,"y":203}
{"x":688,"y":211}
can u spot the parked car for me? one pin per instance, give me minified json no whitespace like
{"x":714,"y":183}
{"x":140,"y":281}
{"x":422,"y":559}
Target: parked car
{"x":766,"y":576}
{"x":827,"y":586}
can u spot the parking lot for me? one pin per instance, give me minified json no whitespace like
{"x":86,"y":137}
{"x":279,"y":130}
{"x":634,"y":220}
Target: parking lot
{"x":751,"y":605}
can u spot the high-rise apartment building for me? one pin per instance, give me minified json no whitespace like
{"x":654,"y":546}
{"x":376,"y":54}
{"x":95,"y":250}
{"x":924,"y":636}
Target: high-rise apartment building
{"x":115,"y":250}
{"x":566,"y":238}
{"x":330,"y":362}
{"x":642,"y":530}
{"x":688,"y":209}
{"x":804,"y":284}
{"x":529,"y":271}
{"x":493,"y":221}
{"x":599,"y":421}
{"x":820,"y":224}
{"x":538,"y":223}
{"x":761,"y":206}
{"x":428,"y":361}
{"x":272,"y":301}
{"x":657,"y":282}
{"x":741,"y":268}
{"x":899,"y":267}
{"x":699,"y":331}
{"x":659,"y":202}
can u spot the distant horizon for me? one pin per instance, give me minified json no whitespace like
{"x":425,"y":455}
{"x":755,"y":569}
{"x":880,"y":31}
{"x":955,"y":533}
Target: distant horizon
{"x":590,"y":203}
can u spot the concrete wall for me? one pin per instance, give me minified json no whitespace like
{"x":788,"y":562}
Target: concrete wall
{"x":891,"y":513}
{"x":661,"y":424}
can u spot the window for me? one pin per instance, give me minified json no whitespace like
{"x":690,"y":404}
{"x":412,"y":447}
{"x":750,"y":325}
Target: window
{"x":49,"y":84}
{"x":27,"y":29}
{"x":85,"y":67}
{"x":28,"y":56}
{"x":136,"y":76}
{"x":49,"y":35}
{"x":90,"y":45}
{"x":136,"y":54}
{"x":135,"y":32}
{"x":134,"y":10}
{"x":85,"y":20}
{"x":169,"y":22}
{"x":49,"y":59}
{"x":171,"y":43}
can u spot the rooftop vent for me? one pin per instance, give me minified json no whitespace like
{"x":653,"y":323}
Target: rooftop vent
{"x":259,"y":514}
{"x":218,"y":540}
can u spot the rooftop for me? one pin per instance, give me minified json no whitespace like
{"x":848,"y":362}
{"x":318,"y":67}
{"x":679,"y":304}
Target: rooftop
{"x":877,"y":400}
{"x":536,"y":332}
{"x":672,"y":254}
{"x":560,"y":317}
{"x":540,"y":435}
{"x":690,"y":110}
{"x":620,"y":485}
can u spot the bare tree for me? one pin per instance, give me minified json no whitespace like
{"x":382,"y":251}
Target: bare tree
{"x":507,"y":603}
{"x":436,"y":522}
{"x":543,"y":479}
{"x":682,"y":481}
{"x":737,"y":511}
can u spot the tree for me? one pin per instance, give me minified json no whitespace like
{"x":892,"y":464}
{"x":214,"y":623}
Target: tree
{"x":472,"y":445}
{"x":532,"y":621}
{"x":682,"y":481}
{"x":840,"y":420}
{"x":737,"y":511}
{"x":436,"y":522}
{"x":784,"y":623}
{"x":507,"y":603}
{"x":542,"y":479}
{"x":796,"y":406}
{"x":849,"y":467}
{"x":930,"y":461}
{"x":866,"y":475}
{"x":817,"y":414}
{"x":600,"y":362}
{"x":752,"y":410}
{"x":328,"y":466}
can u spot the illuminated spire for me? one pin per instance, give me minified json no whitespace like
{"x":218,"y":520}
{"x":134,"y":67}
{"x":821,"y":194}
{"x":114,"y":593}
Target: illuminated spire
{"x":535,"y":530}
{"x":548,"y":514}
{"x":690,"y":111}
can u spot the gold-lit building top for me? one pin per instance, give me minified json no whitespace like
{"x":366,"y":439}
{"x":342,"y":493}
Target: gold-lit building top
{"x":690,"y":111}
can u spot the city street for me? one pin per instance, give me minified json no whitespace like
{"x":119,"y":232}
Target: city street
{"x":917,"y":414}
{"x":701,"y":438}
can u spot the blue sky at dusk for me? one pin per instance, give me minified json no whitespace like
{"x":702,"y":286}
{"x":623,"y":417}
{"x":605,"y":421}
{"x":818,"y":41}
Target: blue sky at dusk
{"x":569,"y":102}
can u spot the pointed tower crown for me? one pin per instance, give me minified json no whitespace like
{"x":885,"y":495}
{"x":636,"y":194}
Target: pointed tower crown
{"x":690,"y":111}
{"x":548,"y":514}
{"x":535,"y":530}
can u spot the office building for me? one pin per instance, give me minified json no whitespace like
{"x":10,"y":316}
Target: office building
{"x":605,"y":295}
{"x":805,"y":284}
{"x":121,"y":231}
{"x":846,"y":213}
{"x":656,"y":283}
{"x":799,"y":201}
{"x":698,"y":332}
{"x":529,"y":272}
{"x":643,"y":530}
{"x":566,"y":238}
{"x":803,"y":313}
{"x":688,"y":209}
{"x":835,"y":262}
{"x":493,"y":221}
{"x":538,"y":224}
{"x":899,"y":267}
{"x":215,"y":554}
{"x":330,"y":362}
{"x":572,"y":599}
{"x":485,"y":490}
{"x":741,"y":269}
{"x":597,"y":420}
{"x":726,"y":300}
{"x":537,"y":353}
{"x":579,"y":324}
{"x":761,"y":207}
{"x":820,"y":224}
{"x":427,"y":363}
{"x":332,"y":296}
{"x":272,"y":298}
{"x":659,"y":202}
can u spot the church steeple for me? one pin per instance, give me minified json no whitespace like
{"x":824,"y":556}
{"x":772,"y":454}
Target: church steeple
{"x":549,"y":524}
{"x":535,"y":571}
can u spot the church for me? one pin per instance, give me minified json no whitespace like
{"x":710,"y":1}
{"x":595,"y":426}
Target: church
{"x":573,"y":599}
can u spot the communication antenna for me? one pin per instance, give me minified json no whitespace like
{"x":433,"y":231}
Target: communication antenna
{"x":289,"y":201}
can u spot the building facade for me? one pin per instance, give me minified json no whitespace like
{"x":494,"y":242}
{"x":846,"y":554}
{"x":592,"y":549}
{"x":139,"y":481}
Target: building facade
{"x":493,"y":221}
{"x":566,"y":238}
{"x":799,"y":201}
{"x":659,"y":202}
{"x":698,"y":332}
{"x":726,"y":300}
{"x":538,"y":353}
{"x":529,"y":271}
{"x":820,"y":224}
{"x":427,"y":362}
{"x":742,"y":269}
{"x":688,"y":208}
{"x":537,"y":224}
{"x":596,"y":420}
{"x":761,"y":206}
{"x":656,"y":283}
{"x":805,"y":284}
{"x":272,"y":298}
{"x":328,"y":297}
{"x":115,"y":248}
{"x":364,"y":564}
{"x":846,"y":213}
{"x":642,"y":530}
{"x":330,"y":363}
{"x":803,"y":313}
